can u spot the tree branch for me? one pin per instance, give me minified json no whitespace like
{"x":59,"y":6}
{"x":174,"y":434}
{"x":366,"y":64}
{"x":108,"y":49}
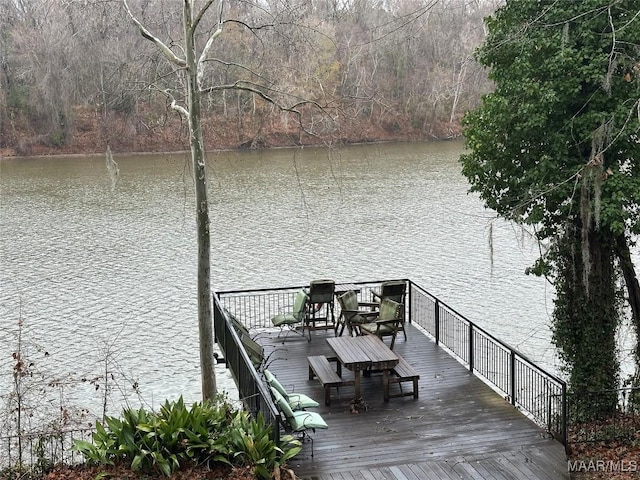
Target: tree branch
{"x":166,"y":51}
{"x":203,"y":10}
{"x":212,"y":37}
{"x":254,"y":88}
{"x":174,"y":104}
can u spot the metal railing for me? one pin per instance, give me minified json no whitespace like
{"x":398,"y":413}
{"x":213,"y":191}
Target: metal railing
{"x":41,"y":450}
{"x":252,"y":390}
{"x":540,"y":395}
{"x":537,"y":393}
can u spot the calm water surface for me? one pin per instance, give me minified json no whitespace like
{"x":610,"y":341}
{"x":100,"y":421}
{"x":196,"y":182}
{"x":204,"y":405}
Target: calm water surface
{"x":103,"y":277}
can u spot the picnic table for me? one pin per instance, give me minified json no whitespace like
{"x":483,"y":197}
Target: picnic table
{"x":363,"y":353}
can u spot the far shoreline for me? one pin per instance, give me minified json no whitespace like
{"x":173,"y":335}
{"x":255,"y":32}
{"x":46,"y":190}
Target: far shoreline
{"x":218,"y":150}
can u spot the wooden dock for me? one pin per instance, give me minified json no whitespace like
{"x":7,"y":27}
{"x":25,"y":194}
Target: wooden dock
{"x":458,"y":428}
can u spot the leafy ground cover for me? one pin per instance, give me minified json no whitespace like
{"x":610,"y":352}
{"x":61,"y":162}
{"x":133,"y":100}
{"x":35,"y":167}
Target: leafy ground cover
{"x":123,"y":472}
{"x":606,"y":460}
{"x":209,"y":440}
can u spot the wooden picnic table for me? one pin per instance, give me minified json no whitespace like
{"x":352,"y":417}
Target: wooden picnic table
{"x":365,"y":352}
{"x":343,"y":288}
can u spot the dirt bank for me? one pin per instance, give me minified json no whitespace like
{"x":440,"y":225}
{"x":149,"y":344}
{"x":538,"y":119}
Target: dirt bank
{"x":91,"y":133}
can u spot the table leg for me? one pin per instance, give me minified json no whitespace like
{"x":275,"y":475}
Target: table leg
{"x":385,"y":384}
{"x":356,"y":382}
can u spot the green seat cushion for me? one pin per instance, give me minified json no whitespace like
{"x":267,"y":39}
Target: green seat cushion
{"x":373,"y":328}
{"x":297,"y":401}
{"x":284,"y":319}
{"x":304,"y":420}
{"x":300,"y":401}
{"x":301,"y":420}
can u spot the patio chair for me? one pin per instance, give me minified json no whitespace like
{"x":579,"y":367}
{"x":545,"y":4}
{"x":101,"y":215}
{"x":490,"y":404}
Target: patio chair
{"x":299,"y":422}
{"x":395,"y":290}
{"x":320,"y":306}
{"x":238,"y":326}
{"x":254,"y":350}
{"x":351,"y":316}
{"x":294,"y":318}
{"x":297,"y":401}
{"x":387,"y":322}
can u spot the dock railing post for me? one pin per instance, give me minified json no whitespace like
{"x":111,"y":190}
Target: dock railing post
{"x":437,"y":321}
{"x":564,"y":414}
{"x":512,"y":373}
{"x":408,"y":301}
{"x":470,"y":347}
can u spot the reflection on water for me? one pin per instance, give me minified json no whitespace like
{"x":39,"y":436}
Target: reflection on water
{"x":102,"y":276}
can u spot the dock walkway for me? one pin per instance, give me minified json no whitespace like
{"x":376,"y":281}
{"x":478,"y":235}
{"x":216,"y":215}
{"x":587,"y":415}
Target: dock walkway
{"x":458,"y":428}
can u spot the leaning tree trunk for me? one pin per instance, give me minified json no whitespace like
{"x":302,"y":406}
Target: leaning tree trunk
{"x":585,"y":320}
{"x":205,"y":325}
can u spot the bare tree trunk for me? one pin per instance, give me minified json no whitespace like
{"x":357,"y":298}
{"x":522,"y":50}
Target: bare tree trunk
{"x":205,"y":324}
{"x":190,"y":64}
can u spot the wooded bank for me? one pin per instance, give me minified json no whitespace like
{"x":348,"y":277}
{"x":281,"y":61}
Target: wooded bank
{"x":75,"y":75}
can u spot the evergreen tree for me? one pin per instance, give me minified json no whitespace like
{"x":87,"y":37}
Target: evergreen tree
{"x":556,"y":147}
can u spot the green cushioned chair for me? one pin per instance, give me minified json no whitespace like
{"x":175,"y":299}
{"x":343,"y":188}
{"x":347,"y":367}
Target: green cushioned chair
{"x":300,"y":421}
{"x":388,"y":321}
{"x":351,"y":316}
{"x":254,"y":350}
{"x":320,"y":306}
{"x":297,"y":401}
{"x":395,"y":290}
{"x":293,"y":318}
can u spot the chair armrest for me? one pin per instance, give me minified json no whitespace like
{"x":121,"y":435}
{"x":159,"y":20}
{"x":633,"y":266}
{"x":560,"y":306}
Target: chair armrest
{"x":364,"y":313}
{"x":385,"y":322}
{"x":369,"y":304}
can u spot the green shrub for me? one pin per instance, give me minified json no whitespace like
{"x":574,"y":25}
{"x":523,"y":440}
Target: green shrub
{"x":252,"y":442}
{"x":177,"y":436}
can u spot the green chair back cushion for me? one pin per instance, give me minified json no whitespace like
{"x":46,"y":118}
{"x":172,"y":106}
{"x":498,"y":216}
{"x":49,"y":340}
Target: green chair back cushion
{"x":297,"y":401}
{"x":299,"y":303}
{"x":348,"y":301}
{"x":282,"y":404}
{"x":389,"y":310}
{"x":273,"y":381}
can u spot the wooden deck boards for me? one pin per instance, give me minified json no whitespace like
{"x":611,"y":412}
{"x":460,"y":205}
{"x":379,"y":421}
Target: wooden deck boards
{"x":459,"y":428}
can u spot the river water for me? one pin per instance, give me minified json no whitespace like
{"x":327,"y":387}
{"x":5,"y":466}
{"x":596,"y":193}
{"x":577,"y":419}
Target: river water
{"x":101,"y":276}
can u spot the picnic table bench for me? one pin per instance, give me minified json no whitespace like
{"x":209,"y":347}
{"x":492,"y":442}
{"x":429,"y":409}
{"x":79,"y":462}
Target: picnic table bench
{"x":320,"y":367}
{"x":403,"y":372}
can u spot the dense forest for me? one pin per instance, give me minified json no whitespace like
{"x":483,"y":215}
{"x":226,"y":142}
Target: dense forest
{"x":76,"y":75}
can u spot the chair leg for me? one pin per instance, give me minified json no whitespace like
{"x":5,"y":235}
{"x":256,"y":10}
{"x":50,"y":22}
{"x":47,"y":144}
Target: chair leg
{"x":393,"y":341}
{"x":304,"y":435}
{"x":292,"y":328}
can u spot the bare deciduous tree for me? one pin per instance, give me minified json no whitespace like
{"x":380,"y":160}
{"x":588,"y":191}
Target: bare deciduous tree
{"x":251,"y":75}
{"x":192,"y":66}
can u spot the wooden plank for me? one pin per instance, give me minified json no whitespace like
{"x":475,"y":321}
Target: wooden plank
{"x":455,"y":411}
